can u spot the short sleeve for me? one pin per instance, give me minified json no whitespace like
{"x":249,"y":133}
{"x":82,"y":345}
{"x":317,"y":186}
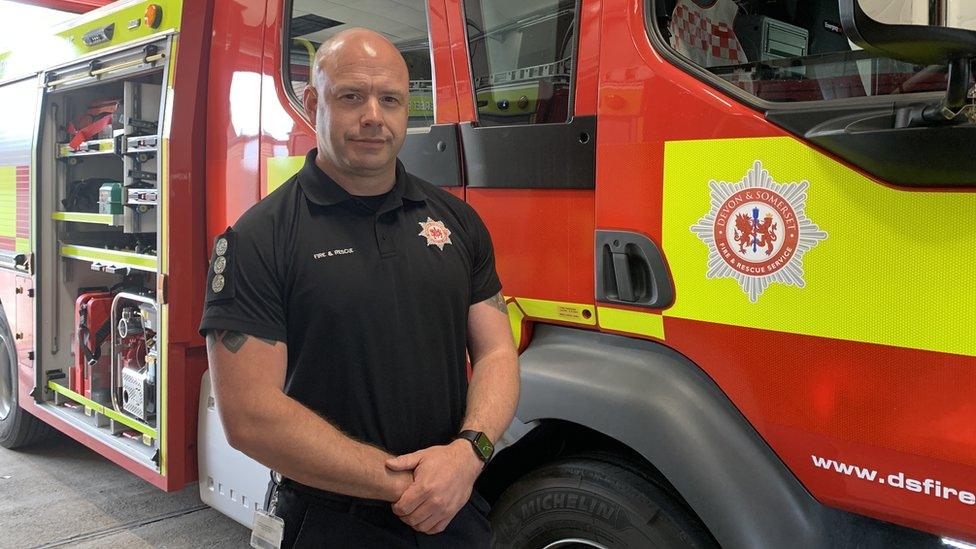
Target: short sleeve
{"x":244,"y":293}
{"x":484,"y":278}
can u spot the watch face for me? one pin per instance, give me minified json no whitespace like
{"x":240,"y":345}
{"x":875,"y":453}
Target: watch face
{"x":484,"y":445}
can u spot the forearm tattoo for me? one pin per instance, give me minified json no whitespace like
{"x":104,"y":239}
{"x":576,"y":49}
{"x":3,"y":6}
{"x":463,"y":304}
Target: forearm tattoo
{"x":233,"y":341}
{"x":498,"y":302}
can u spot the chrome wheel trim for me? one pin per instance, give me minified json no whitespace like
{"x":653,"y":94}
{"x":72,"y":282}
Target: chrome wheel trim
{"x":7,"y":385}
{"x":574,"y":542}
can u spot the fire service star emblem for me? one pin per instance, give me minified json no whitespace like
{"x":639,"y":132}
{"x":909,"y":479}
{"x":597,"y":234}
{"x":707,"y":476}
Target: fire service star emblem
{"x":757,"y":231}
{"x":435,"y":232}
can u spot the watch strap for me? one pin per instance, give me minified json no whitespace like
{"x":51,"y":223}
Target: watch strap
{"x":479,"y":442}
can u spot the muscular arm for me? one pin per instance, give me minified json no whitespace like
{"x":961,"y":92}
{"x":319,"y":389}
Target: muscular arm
{"x":494,"y":388}
{"x":263,"y":422}
{"x":444,"y":475}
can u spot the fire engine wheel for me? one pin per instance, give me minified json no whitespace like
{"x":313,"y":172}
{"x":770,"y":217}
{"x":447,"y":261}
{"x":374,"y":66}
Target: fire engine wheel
{"x":17,"y":427}
{"x":592,"y":501}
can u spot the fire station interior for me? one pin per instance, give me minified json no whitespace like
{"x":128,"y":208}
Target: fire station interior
{"x":97,"y":215}
{"x":791,"y":50}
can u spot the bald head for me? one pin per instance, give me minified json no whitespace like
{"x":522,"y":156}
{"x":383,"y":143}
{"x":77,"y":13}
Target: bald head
{"x":359,"y":104}
{"x":352,"y":45}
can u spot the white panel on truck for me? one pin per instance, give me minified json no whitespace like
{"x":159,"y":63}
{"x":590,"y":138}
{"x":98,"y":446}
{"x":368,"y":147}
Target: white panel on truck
{"x":230,"y":482}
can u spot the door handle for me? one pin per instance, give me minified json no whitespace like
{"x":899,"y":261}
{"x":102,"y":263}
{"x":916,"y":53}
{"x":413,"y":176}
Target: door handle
{"x":622,"y":275}
{"x":631,"y":270}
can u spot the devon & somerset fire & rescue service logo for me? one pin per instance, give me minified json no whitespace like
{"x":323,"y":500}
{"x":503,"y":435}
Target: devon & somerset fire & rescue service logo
{"x":757,"y":231}
{"x":435,"y":232}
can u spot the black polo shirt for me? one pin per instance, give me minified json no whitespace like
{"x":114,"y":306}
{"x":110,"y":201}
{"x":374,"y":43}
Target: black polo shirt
{"x":372,"y":301}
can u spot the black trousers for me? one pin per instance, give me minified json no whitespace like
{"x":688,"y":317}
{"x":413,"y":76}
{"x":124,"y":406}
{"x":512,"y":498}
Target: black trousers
{"x":338,"y":522}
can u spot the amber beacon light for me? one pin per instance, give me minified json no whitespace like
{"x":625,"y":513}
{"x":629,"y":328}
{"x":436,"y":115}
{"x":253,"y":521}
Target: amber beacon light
{"x":154,"y":15}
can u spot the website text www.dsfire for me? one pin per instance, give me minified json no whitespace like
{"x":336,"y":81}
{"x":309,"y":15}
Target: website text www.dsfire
{"x":929,"y":487}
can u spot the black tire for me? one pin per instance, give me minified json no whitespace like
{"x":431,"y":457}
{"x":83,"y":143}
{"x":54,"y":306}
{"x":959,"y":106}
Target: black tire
{"x":17,"y":427}
{"x":597,"y":501}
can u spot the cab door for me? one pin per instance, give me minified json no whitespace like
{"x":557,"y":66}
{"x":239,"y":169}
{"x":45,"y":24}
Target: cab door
{"x":526,"y":87}
{"x":817,"y":235}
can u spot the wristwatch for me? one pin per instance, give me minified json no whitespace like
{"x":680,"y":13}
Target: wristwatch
{"x":482,"y":446}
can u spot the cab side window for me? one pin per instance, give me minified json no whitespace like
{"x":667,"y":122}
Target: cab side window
{"x":404,"y":22}
{"x":522,"y":59}
{"x":792,"y":51}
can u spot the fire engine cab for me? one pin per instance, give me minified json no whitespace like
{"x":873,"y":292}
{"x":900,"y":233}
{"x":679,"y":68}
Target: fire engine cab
{"x":736,"y":239}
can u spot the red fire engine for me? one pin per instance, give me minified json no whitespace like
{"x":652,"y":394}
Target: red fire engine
{"x":736,"y":239}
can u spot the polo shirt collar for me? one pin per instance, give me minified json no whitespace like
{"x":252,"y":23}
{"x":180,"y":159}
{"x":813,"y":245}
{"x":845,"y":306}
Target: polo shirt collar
{"x":324,"y":191}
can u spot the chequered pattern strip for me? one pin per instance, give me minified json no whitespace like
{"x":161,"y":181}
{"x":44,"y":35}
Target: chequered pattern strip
{"x":698,"y":31}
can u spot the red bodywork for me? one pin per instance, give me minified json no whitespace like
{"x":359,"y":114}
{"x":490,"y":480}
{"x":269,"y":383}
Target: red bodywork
{"x":184,"y":286}
{"x":544,"y":250}
{"x":73,"y":6}
{"x":544,"y":241}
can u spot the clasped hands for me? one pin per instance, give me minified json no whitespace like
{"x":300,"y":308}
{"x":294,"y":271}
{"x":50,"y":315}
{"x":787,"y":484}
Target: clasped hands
{"x":443,"y":477}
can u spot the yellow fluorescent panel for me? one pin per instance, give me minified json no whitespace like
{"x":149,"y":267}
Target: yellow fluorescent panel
{"x":577,"y":313}
{"x":897,"y":267}
{"x":108,"y":412}
{"x":280,"y":168}
{"x":115,"y":257}
{"x":632,"y":322}
{"x":172,"y":11}
{"x":8,"y":201}
{"x":515,"y":317}
{"x":84,"y":217}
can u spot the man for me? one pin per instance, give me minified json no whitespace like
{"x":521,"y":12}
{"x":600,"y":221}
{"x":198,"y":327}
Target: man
{"x":338,"y":313}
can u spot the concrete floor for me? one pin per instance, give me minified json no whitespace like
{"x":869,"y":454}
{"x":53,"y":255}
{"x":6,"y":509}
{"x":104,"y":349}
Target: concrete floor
{"x":59,"y":493}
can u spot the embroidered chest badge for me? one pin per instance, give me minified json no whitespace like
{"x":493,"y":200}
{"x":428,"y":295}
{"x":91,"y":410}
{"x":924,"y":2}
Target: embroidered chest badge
{"x":435,"y":232}
{"x":757,"y":231}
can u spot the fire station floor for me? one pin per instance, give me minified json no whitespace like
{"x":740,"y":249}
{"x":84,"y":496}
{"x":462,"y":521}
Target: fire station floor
{"x":59,"y":493}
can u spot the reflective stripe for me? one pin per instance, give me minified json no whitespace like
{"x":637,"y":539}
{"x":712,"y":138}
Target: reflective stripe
{"x":897,"y":269}
{"x":575,"y":313}
{"x":631,"y":322}
{"x":8,"y":201}
{"x":164,"y":317}
{"x":113,"y":257}
{"x":84,"y":217}
{"x":107,"y":412}
{"x":515,"y":316}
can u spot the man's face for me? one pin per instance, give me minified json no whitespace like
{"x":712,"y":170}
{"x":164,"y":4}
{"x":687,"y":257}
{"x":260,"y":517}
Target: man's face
{"x":360,"y":113}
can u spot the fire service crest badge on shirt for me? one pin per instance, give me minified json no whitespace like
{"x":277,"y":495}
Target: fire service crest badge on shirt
{"x":435,"y":232}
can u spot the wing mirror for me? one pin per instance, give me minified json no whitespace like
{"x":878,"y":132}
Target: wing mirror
{"x":923,"y":45}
